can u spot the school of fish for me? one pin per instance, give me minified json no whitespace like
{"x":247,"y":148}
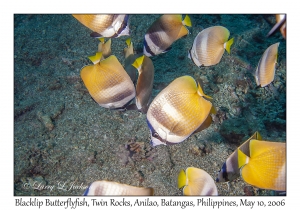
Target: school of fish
{"x":182,"y":108}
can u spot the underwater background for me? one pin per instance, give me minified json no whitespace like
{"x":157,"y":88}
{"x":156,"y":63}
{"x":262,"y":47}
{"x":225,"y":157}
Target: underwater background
{"x":82,"y":142}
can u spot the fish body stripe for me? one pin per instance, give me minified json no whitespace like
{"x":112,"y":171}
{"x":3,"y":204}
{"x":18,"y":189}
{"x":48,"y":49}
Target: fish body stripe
{"x":147,"y":50}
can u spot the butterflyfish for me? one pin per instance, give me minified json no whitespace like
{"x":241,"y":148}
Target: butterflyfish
{"x":230,"y":169}
{"x":209,"y":46}
{"x":104,"y":50}
{"x":130,"y":58}
{"x":280,"y":25}
{"x":108,"y":83}
{"x":144,"y":85}
{"x":104,"y":187}
{"x":178,"y":111}
{"x":105,"y":25}
{"x":265,"y":71}
{"x":129,"y":49}
{"x":104,"y":47}
{"x":265,"y":168}
{"x":163,"y":32}
{"x":196,"y":181}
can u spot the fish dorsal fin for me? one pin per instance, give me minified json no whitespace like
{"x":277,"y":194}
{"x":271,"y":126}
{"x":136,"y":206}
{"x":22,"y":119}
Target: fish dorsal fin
{"x":138,"y":62}
{"x":111,"y":61}
{"x":101,"y":40}
{"x":96,"y":58}
{"x":242,"y":158}
{"x":201,"y":93}
{"x":128,"y":41}
{"x":228,"y":45}
{"x":258,"y":147}
{"x":187,"y":21}
{"x":181,"y":182}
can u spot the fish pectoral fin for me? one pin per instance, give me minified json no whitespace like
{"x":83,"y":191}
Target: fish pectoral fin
{"x":96,"y":35}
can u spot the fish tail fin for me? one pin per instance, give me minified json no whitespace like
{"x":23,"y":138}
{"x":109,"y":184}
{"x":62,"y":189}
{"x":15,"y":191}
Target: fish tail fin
{"x":228,"y":45}
{"x":128,"y":41}
{"x":95,"y":58}
{"x":138,"y":62}
{"x":181,"y":182}
{"x":101,"y":40}
{"x":242,"y":158}
{"x":187,"y":21}
{"x":201,"y":93}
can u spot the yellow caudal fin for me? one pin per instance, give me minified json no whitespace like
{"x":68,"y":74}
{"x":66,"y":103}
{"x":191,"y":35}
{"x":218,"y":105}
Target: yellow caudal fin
{"x":187,"y":21}
{"x":128,"y":41}
{"x":228,"y":45}
{"x":201,"y":93}
{"x":138,"y":62}
{"x":96,"y":58}
{"x":242,"y":158}
{"x":181,"y":181}
{"x":101,"y":40}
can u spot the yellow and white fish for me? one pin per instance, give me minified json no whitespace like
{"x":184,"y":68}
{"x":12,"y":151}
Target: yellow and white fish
{"x":104,"y":187}
{"x":196,"y":181}
{"x":104,"y":47}
{"x":178,"y":111}
{"x":130,"y":58}
{"x":105,"y":25}
{"x":265,"y":71}
{"x":144,"y":85}
{"x":108,"y":83}
{"x":104,"y":51}
{"x":265,"y":168}
{"x":280,"y":25}
{"x":209,"y":46}
{"x":230,"y":169}
{"x":163,"y":32}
